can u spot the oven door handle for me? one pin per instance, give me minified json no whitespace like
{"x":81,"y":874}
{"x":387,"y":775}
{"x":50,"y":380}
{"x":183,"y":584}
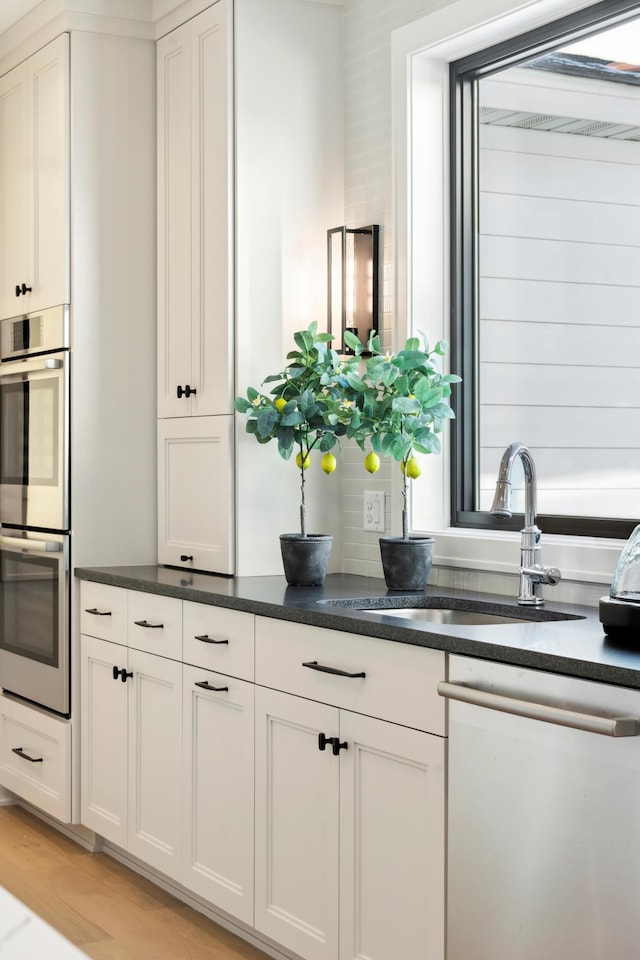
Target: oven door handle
{"x":31,"y":546}
{"x":16,"y":368}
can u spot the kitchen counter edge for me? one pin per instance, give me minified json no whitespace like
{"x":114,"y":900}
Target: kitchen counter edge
{"x":576,"y":648}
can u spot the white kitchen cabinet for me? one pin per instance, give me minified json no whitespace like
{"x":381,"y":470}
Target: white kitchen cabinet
{"x":34,"y":181}
{"x":218,"y":790}
{"x":131,"y":747}
{"x":104,"y":724}
{"x":349,"y":845}
{"x":195,"y":493}
{"x":195,"y":206}
{"x":297,"y":825}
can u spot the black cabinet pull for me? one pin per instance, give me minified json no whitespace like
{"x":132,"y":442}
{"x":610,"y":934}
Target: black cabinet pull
{"x":116,"y":673}
{"x":336,"y":746}
{"x":184,"y":557}
{"x":186,"y":391}
{"x":98,"y":613}
{"x":314,"y":665}
{"x":207,"y":639}
{"x":22,"y":289}
{"x":25,"y":756}
{"x":151,"y":626}
{"x":124,"y":675}
{"x":205,"y":685}
{"x":323,"y":741}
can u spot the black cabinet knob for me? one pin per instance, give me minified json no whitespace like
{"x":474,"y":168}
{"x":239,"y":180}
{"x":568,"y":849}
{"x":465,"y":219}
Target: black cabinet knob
{"x":22,"y":288}
{"x":184,"y":557}
{"x":186,"y":391}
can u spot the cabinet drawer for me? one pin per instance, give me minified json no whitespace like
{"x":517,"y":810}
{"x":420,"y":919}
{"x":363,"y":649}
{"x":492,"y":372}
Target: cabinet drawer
{"x":218,"y":639}
{"x":399,"y":682}
{"x":103,"y":611}
{"x":35,"y":757}
{"x":154,"y":624}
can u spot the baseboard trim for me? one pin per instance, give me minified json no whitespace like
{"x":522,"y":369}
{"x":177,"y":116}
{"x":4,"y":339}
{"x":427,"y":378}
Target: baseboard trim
{"x":229,"y":923}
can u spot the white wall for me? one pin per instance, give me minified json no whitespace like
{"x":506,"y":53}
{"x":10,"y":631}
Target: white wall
{"x":290,"y":189}
{"x":368,"y":199}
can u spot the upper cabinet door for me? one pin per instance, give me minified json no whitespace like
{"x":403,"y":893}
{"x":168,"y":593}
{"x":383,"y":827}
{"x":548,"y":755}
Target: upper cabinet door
{"x":34,"y":182}
{"x":195,"y":217}
{"x":49,"y":213}
{"x":14,"y":188}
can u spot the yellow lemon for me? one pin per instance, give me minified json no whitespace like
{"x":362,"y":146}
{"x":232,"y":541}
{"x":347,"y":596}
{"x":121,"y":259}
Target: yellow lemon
{"x":413,"y":468}
{"x":372,"y":462}
{"x":328,"y":463}
{"x":280,"y":403}
{"x":302,"y":464}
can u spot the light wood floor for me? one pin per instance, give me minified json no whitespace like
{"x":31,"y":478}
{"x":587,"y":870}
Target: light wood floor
{"x":108,"y":911}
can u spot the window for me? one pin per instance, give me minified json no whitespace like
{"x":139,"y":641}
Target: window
{"x":545,"y":145}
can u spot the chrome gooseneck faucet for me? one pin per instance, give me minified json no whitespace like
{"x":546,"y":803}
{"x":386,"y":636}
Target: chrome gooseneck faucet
{"x":532,"y":574}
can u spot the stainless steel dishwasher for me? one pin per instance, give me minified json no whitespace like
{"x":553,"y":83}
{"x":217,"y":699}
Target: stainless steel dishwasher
{"x":543,"y":816}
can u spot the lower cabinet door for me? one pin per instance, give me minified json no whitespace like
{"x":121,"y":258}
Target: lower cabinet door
{"x":155,"y":745}
{"x":296,"y":856}
{"x":195,"y":493}
{"x":218,"y":790}
{"x":104,"y":739}
{"x":392,"y":841}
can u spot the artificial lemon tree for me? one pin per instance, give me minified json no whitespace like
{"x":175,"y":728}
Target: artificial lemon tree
{"x":400,"y":404}
{"x":307,"y":408}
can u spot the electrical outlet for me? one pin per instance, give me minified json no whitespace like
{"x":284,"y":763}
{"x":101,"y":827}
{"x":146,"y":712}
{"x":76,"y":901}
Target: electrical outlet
{"x":374,"y":510}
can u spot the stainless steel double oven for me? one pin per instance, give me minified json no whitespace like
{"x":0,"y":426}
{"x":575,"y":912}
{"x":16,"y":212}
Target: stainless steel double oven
{"x":34,"y":508}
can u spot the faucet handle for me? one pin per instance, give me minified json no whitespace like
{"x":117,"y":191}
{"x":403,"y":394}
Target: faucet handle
{"x":540,"y":574}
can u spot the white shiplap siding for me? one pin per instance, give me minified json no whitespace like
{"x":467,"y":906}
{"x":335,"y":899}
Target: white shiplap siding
{"x":560,"y":316}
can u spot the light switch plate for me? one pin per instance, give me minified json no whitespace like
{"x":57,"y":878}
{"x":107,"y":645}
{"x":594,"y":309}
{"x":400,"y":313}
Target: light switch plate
{"x":374,"y":510}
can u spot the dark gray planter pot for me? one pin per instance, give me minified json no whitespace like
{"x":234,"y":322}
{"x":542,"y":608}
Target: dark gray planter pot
{"x":406,"y":563}
{"x":305,"y":559}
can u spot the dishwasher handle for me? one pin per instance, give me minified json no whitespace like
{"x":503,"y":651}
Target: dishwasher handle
{"x":592,"y":723}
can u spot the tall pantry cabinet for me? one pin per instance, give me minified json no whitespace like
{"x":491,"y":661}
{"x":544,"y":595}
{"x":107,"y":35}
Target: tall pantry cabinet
{"x":195,"y":293}
{"x":250,"y":177}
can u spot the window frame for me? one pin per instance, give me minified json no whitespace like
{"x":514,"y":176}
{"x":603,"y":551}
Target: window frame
{"x":463,"y":76}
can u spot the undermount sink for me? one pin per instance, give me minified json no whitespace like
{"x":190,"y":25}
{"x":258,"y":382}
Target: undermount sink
{"x":448,"y":610}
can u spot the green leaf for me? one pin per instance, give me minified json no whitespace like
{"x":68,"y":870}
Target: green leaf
{"x":390,"y":375}
{"x":304,"y":340}
{"x":291,"y":419}
{"x":285,"y":449}
{"x":267,"y":419}
{"x":443,"y":412}
{"x":411,"y":359}
{"x":373,"y":344}
{"x":431,"y":397}
{"x":451,"y":378}
{"x":356,"y":383}
{"x":294,"y":371}
{"x":376,"y":443}
{"x":441,"y":347}
{"x":328,"y":442}
{"x":252,"y":393}
{"x":294,"y":355}
{"x":307,"y":404}
{"x":401,"y":447}
{"x":412,"y":344}
{"x":273,"y":378}
{"x":242,"y":405}
{"x":405,"y":405}
{"x":353,"y":342}
{"x":325,"y":337}
{"x":428,"y":444}
{"x":252,"y":426}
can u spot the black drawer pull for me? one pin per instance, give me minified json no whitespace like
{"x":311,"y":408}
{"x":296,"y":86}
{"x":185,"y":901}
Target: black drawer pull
{"x":205,"y":638}
{"x":25,"y":756}
{"x":98,"y":613}
{"x":314,"y":665}
{"x":337,"y":746}
{"x":152,"y":626}
{"x":116,"y":673}
{"x":124,"y":675}
{"x":184,"y":557}
{"x":205,"y":685}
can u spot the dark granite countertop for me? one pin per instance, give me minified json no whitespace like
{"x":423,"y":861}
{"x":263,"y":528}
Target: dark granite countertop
{"x":577,"y":648}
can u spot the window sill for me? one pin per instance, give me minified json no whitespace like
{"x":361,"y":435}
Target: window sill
{"x":584,"y":559}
